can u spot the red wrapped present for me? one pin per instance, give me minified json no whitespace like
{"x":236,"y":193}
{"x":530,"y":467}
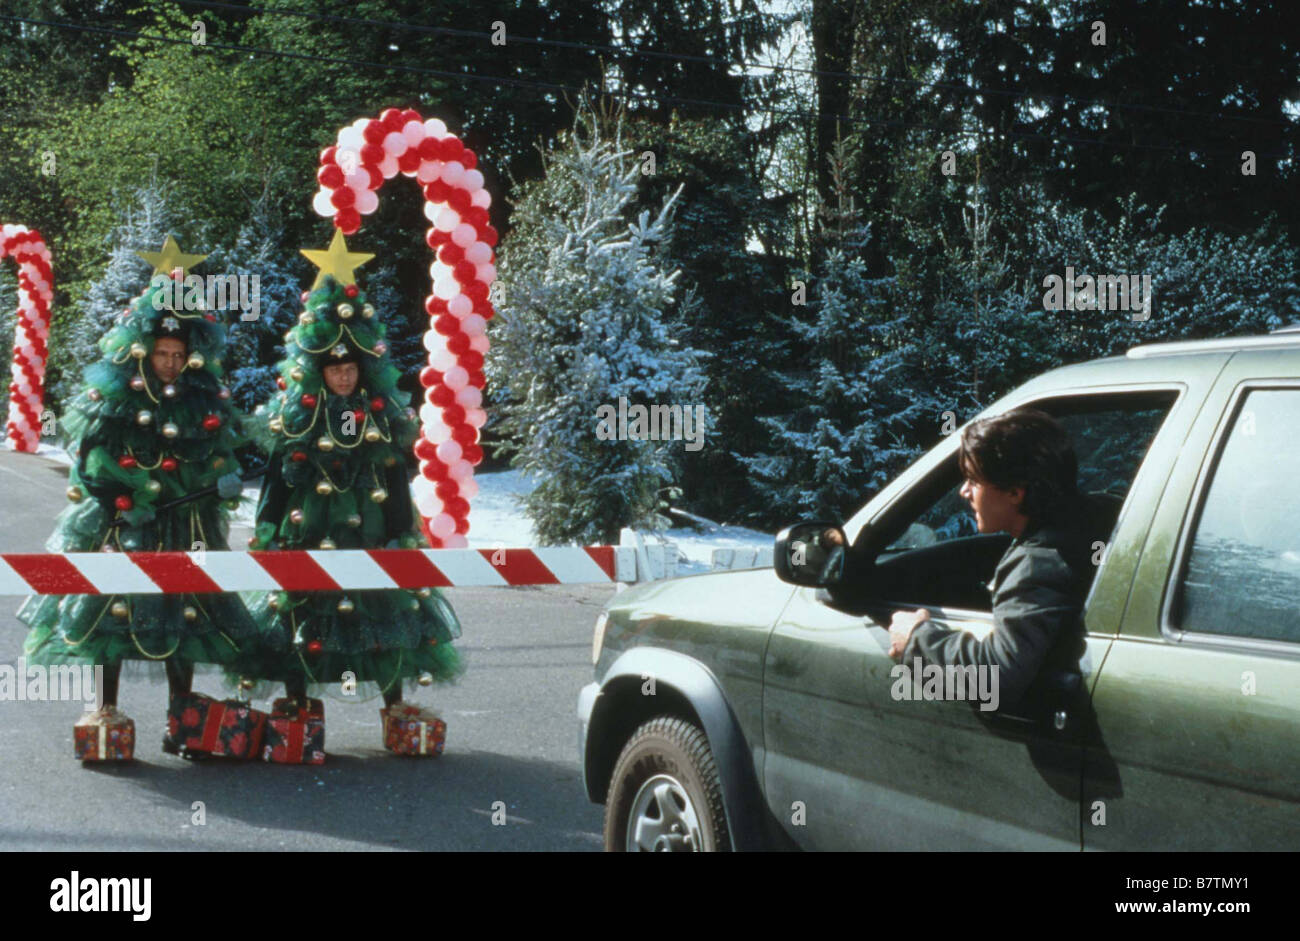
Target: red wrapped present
{"x":295,"y":732}
{"x":202,"y":724}
{"x":410,"y":730}
{"x":106,"y":735}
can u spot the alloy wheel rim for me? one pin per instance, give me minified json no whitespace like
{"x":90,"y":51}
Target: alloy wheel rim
{"x":663,"y":819}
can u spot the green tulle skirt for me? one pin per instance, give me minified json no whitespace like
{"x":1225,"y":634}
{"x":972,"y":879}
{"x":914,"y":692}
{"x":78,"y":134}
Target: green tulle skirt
{"x":386,"y":637}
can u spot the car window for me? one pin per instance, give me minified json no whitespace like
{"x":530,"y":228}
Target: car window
{"x":1242,"y":576}
{"x":1111,"y":434}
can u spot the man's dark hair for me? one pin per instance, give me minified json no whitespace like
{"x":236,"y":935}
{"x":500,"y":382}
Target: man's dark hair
{"x":1024,"y":448}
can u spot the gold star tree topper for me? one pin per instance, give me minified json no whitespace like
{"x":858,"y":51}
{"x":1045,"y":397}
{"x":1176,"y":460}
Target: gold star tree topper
{"x":336,"y":260}
{"x":170,"y":258}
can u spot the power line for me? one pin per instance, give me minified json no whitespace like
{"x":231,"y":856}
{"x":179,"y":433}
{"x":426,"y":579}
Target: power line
{"x":707,"y":103}
{"x":724,"y":64}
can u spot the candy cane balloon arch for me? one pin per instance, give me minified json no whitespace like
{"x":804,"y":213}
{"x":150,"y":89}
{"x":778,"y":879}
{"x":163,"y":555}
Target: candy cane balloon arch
{"x":368,"y":152}
{"x":31,"y":333}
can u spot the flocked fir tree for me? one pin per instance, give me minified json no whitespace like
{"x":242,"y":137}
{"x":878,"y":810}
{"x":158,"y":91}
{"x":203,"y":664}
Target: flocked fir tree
{"x":337,"y":478}
{"x":138,"y":445}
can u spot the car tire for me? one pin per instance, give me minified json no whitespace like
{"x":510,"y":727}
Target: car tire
{"x":665,"y":794}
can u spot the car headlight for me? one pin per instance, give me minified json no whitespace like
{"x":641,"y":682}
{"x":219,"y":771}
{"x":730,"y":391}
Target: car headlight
{"x":598,"y":637}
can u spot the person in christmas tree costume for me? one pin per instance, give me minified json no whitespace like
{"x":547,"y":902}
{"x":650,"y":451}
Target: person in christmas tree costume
{"x":153,"y":425}
{"x":338,"y":433}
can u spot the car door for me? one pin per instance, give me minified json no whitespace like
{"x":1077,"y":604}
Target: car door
{"x":855,"y":759}
{"x":1198,"y":702}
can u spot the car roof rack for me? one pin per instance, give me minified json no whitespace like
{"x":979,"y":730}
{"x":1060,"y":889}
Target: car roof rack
{"x":1284,"y":337}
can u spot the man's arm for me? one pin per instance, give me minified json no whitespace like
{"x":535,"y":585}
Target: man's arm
{"x":1033,"y":605}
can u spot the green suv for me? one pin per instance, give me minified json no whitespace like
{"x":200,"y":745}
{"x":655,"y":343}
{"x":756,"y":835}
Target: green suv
{"x":760,"y":709}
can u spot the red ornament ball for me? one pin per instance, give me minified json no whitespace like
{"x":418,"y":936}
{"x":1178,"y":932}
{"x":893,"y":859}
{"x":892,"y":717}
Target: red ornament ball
{"x":351,"y":291}
{"x":279,"y":381}
{"x":123,"y":503}
{"x":169,"y":464}
{"x":211,"y":422}
{"x":308,"y":400}
{"x":315,"y":646}
{"x":305,"y":295}
{"x":297,"y":457}
{"x":376,"y":405}
{"x":126,"y":461}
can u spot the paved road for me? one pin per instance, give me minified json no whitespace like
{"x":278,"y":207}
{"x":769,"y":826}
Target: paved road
{"x":511,"y":738}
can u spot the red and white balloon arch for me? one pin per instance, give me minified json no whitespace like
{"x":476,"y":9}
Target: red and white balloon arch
{"x":368,"y":152}
{"x":31,"y":333}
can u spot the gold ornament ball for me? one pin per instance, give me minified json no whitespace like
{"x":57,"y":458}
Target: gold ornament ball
{"x":379,"y":495}
{"x":190,"y":613}
{"x":153,"y":486}
{"x":354,"y":520}
{"x":328,"y":544}
{"x":138,"y":350}
{"x":273,"y":602}
{"x":344,"y":311}
{"x":324,"y":443}
{"x":119,"y":609}
{"x":137,"y":383}
{"x":346,"y":606}
{"x":276,"y":425}
{"x":324,"y":488}
{"x":295,"y":517}
{"x":169,"y":391}
{"x":296,"y":374}
{"x":306,"y":318}
{"x":372,"y":434}
{"x":246,"y":683}
{"x":426,"y":679}
{"x":170,"y":430}
{"x":75,"y":494}
{"x":415,"y":605}
{"x":195,"y":361}
{"x":143,"y":417}
{"x":367,"y":310}
{"x":424,"y":592}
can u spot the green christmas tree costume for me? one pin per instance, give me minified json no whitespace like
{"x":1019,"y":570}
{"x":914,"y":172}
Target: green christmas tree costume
{"x":337,"y":479}
{"x":140,"y":444}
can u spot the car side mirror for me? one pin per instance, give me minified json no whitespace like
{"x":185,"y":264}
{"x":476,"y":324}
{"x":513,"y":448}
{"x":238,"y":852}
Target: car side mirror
{"x":811,"y":554}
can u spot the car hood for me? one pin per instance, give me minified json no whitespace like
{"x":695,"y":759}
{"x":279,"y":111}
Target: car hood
{"x":741,"y":599}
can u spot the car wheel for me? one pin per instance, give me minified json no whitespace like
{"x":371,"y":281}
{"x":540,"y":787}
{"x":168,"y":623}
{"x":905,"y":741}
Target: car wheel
{"x":664,"y":794}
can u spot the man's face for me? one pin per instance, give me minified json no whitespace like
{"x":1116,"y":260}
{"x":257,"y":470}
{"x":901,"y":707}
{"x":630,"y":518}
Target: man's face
{"x":341,"y":378}
{"x":996,"y":510}
{"x":167,"y":358}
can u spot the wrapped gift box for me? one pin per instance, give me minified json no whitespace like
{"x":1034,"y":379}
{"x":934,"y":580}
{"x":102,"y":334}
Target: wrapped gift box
{"x":410,"y":730}
{"x":203,"y":724}
{"x":295,"y":732}
{"x":99,"y":736}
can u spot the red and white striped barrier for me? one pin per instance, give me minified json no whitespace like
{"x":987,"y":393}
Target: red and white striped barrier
{"x":155,"y":573}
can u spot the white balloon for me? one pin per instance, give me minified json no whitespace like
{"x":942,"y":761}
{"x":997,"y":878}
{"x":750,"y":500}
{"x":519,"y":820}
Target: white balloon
{"x":486,"y":273}
{"x":367,"y":202}
{"x":435,"y":128}
{"x":388,"y":166}
{"x":460,"y":305}
{"x":455,"y":377}
{"x":468,"y":488}
{"x":479,"y":253}
{"x":413,"y":131}
{"x":463,"y":234}
{"x":428,"y":504}
{"x":442,"y":526}
{"x":321,"y":203}
{"x":437,"y":270}
{"x":360,"y":123}
{"x":429,"y":415}
{"x":347,"y":159}
{"x":474,"y":325}
{"x":358,"y":178}
{"x":481,"y":198}
{"x":453,"y":173}
{"x":351,"y":138}
{"x":473,"y":181}
{"x":395,"y":144}
{"x":429,"y":171}
{"x":443,"y":360}
{"x":446,"y":288}
{"x":461,"y":470}
{"x":469,"y":397}
{"x":479,"y":344}
{"x":449,"y":452}
{"x":437,"y":432}
{"x":447,"y":220}
{"x":433,"y":341}
{"x":456,"y":541}
{"x":476,"y":417}
{"x":431,"y":211}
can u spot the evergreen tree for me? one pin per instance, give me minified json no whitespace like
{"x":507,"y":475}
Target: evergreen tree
{"x":586,"y":321}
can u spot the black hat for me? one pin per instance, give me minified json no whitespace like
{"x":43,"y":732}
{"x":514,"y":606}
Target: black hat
{"x":169,"y":325}
{"x":338,"y":354}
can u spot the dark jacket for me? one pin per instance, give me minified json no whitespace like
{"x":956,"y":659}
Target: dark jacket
{"x":1038,"y":589}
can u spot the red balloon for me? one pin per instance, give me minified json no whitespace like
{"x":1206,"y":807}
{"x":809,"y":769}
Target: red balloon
{"x":409,"y":115}
{"x":446,"y":490}
{"x":462,"y":525}
{"x":464,"y":272}
{"x":441,"y":396}
{"x":459,"y":200}
{"x":392,"y":119}
{"x":451,"y":148}
{"x":475,"y":290}
{"x":437,"y":191}
{"x":464,"y":435}
{"x":469,"y":159}
{"x":425,"y":449}
{"x":432,"y":469}
{"x":374,"y":132}
{"x":347,"y":221}
{"x":452,"y":416}
{"x":447,"y":325}
{"x":458,"y":344}
{"x":429,"y":148}
{"x":435,"y":306}
{"x":330,"y":176}
{"x":477,"y":216}
{"x":450,"y":253}
{"x":409,"y":162}
{"x":126,"y":461}
{"x":123,"y":503}
{"x":473,"y":453}
{"x":430,"y":377}
{"x":327,"y":155}
{"x":435,"y":237}
{"x":477,"y":379}
{"x":343,"y":197}
{"x":169,"y":464}
{"x":372,"y":155}
{"x":471,"y":360}
{"x":376,"y":177}
{"x":489,"y":235}
{"x":458,"y":507}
